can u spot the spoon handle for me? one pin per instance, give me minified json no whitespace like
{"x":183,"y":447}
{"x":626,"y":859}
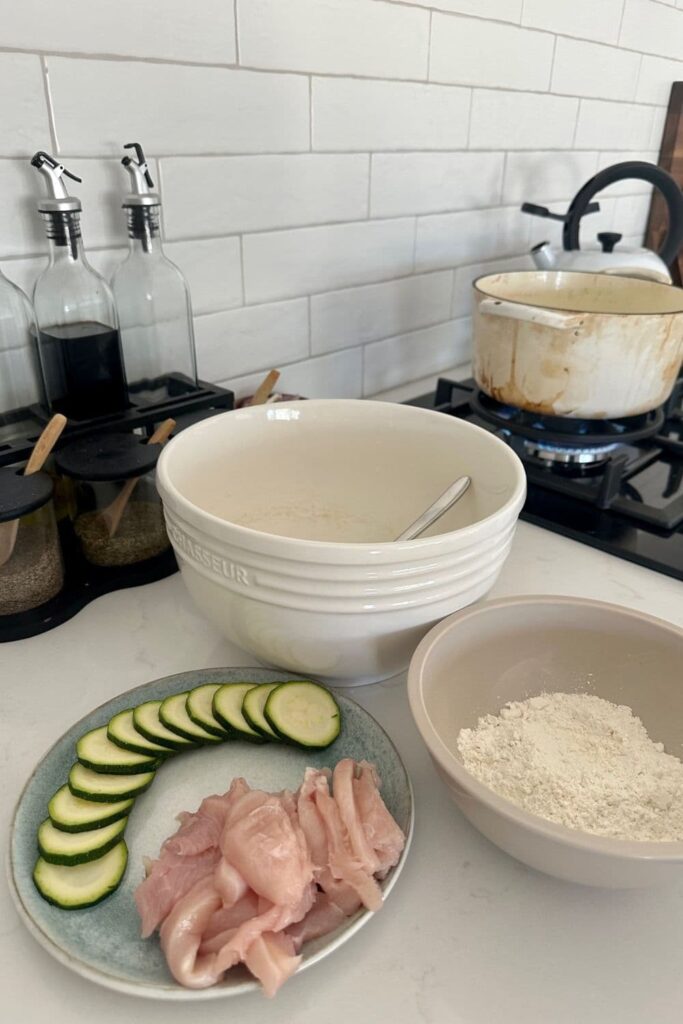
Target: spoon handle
{"x":436,"y":509}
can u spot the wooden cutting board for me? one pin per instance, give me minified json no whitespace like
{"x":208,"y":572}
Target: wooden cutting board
{"x":671,"y":160}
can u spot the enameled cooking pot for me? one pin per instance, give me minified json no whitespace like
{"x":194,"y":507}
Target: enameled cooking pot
{"x":582,"y":345}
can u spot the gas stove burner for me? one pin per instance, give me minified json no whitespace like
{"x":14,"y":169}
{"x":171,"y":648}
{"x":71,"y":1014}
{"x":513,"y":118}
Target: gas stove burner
{"x":564,"y":432}
{"x":567,"y":457}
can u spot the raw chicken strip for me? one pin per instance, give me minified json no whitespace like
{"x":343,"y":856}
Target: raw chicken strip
{"x":383,"y":834}
{"x":229,"y":919}
{"x":229,"y":883}
{"x":260,"y":841}
{"x":199,"y":831}
{"x":315,"y":833}
{"x":271,"y":918}
{"x":343,"y":864}
{"x":272,"y":959}
{"x":323,"y":917}
{"x":168,"y":880}
{"x":344,"y":795}
{"x":181,"y":935}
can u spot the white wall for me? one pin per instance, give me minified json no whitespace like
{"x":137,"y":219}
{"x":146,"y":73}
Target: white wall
{"x":334,"y":172}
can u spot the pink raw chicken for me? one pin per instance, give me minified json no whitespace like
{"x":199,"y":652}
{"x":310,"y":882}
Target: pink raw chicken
{"x":252,"y":876}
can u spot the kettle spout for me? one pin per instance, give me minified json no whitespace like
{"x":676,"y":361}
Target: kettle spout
{"x":544,"y":256}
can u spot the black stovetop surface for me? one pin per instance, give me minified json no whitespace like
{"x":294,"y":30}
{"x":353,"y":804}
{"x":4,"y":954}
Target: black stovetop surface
{"x":631,"y":505}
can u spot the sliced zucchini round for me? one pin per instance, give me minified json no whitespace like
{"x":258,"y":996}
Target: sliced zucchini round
{"x":70,"y":813}
{"x":78,"y":847}
{"x":82,"y":885}
{"x":252,"y":709}
{"x":173,"y":714}
{"x":227,"y":707}
{"x":122,"y":731}
{"x":199,"y":706}
{"x":95,"y":750}
{"x":304,"y":713}
{"x":101,"y":788}
{"x":146,"y":719}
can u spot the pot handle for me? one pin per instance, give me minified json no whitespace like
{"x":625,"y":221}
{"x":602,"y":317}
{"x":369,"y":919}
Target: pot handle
{"x":531,"y":314}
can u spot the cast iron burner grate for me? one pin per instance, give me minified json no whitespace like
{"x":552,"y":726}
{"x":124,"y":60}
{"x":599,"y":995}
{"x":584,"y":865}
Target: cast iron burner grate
{"x":616,"y":485}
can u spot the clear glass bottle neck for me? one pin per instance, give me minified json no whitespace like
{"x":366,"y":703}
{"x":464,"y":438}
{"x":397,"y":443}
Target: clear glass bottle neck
{"x":64,"y":236}
{"x":143,"y":230}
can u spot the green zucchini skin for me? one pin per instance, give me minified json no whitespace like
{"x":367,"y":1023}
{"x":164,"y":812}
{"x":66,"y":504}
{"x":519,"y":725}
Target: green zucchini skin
{"x":67,"y":815}
{"x":275,"y":713}
{"x":86,"y":786}
{"x":174,"y":716}
{"x":227,"y":707}
{"x":199,"y":707}
{"x":252,"y":709}
{"x":96,"y":751}
{"x":122,"y":731}
{"x":146,"y":719}
{"x":55,"y":852}
{"x":53,"y":880}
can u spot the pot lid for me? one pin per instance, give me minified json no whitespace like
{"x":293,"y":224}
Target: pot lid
{"x":20,"y":494}
{"x":108,"y":457}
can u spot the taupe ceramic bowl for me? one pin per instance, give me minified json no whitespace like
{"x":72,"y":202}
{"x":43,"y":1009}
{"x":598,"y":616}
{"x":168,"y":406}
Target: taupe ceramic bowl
{"x":477,"y":660}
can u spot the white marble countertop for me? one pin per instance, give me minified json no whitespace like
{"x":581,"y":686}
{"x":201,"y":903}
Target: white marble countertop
{"x":469,"y":936}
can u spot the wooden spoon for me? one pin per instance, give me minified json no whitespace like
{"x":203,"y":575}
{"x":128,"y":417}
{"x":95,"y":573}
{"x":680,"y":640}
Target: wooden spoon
{"x":41,"y":450}
{"x":112,"y":513}
{"x":260,"y":396}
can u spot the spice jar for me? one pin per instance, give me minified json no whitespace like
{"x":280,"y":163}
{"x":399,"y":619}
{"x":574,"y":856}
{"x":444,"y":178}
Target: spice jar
{"x":99,"y":468}
{"x":31,"y":569}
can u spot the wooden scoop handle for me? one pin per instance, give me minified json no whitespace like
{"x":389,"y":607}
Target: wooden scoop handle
{"x":113,"y":513}
{"x":262,"y":392}
{"x":45,"y":443}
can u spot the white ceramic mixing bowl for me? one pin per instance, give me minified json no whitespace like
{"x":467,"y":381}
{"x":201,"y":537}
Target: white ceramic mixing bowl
{"x":282,"y":518}
{"x":476,"y":661}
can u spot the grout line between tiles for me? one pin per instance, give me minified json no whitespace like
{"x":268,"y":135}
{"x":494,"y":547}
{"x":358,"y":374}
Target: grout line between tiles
{"x":54,"y":141}
{"x":237,"y":34}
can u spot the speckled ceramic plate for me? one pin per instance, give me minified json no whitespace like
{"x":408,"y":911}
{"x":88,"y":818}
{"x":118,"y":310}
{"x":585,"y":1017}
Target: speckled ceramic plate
{"x":103,"y":943}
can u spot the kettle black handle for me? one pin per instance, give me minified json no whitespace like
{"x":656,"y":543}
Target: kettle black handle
{"x":661,"y":180}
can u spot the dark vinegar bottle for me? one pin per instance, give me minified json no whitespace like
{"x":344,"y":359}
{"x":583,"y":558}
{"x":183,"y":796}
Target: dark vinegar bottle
{"x":78,"y":335}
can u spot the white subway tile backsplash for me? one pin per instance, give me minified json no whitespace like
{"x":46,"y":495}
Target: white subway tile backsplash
{"x":339,"y":375}
{"x":605,"y":125}
{"x":454,"y":239}
{"x":360,"y":115}
{"x":24,"y":272}
{"x":202,"y":31}
{"x":394,"y":361}
{"x":358,"y":315}
{"x":21,"y":226}
{"x":521,"y":120}
{"x":501,"y":10}
{"x":652,"y":28}
{"x":213,"y":270}
{"x":591,"y":69}
{"x":405,"y":183}
{"x":173,"y":109}
{"x":380,"y":40}
{"x":23,"y":113}
{"x":657,"y":128}
{"x":254,"y":193}
{"x":470,"y":51}
{"x":546,"y":177}
{"x":657,"y":74}
{"x":631,"y":213}
{"x":308,"y":260}
{"x":252,"y":338}
{"x":586,"y":19}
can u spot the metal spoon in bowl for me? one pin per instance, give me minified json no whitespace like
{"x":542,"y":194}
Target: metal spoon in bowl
{"x":436,"y":509}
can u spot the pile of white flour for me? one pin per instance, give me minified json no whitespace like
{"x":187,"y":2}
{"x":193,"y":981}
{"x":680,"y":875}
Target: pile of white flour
{"x":580,"y":761}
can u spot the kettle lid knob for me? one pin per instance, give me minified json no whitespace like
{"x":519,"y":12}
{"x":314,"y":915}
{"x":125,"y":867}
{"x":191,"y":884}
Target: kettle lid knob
{"x":608,"y":239}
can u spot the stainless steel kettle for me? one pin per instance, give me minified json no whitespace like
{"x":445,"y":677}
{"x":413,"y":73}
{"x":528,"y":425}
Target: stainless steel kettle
{"x":635,"y":262}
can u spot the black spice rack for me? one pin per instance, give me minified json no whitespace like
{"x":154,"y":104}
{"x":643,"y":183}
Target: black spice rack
{"x":186,"y":403}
